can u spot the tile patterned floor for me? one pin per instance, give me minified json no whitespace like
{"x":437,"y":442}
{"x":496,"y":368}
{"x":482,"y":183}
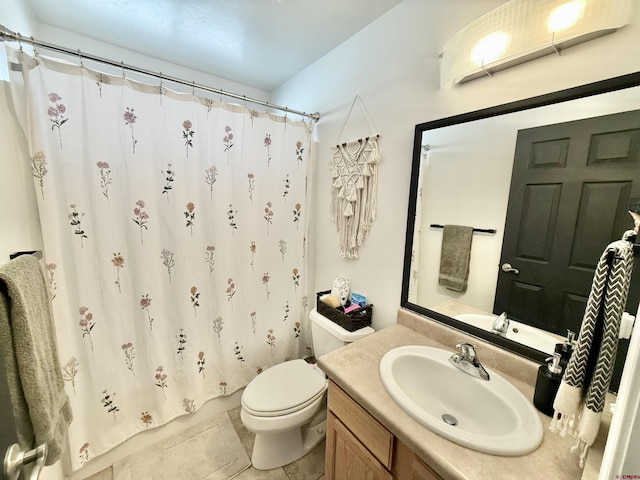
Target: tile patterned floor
{"x":309,"y":467}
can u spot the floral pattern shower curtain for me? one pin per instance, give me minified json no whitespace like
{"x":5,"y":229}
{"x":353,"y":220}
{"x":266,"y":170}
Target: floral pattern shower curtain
{"x":175,"y":235}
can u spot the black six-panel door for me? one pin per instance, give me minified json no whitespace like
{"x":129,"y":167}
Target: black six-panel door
{"x":571,"y":187}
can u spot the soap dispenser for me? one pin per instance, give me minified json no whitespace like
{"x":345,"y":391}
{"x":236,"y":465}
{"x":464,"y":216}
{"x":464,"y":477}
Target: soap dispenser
{"x":549,"y":377}
{"x":565,"y":349}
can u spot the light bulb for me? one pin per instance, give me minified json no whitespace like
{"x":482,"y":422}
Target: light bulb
{"x":490,"y":48}
{"x":566,"y":15}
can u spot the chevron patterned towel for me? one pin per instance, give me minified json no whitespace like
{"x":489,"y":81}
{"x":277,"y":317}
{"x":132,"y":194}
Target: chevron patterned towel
{"x":580,"y":400}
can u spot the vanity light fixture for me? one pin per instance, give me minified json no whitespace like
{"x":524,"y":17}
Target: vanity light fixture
{"x":522,"y":30}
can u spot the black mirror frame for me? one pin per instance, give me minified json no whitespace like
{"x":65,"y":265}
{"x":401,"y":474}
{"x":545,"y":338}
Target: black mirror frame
{"x":582,"y":91}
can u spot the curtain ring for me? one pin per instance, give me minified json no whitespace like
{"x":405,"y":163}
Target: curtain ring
{"x":122,"y":66}
{"x":80,"y":56}
{"x":221,"y":93}
{"x":193,"y":91}
{"x":20,"y":41}
{"x":33,"y":45}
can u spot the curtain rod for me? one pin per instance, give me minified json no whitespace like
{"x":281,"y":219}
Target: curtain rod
{"x":6,"y":34}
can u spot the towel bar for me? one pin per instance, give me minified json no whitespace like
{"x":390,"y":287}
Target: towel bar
{"x":15,"y":460}
{"x":480,"y":230}
{"x":35,"y":253}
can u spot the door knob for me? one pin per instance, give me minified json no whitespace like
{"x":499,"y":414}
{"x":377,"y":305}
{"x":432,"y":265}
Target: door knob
{"x":507,"y":268}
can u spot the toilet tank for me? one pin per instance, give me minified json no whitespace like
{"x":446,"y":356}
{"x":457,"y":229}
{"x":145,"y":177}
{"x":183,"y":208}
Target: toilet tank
{"x":328,"y":336}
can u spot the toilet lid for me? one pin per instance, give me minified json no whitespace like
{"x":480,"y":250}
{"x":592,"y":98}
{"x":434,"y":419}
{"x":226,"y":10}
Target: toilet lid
{"x":284,"y":387}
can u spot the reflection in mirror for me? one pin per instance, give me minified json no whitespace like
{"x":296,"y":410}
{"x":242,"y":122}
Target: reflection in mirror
{"x":462,"y":175}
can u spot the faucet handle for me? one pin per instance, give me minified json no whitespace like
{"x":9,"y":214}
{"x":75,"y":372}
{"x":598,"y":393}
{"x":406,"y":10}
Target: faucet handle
{"x":467,"y":350}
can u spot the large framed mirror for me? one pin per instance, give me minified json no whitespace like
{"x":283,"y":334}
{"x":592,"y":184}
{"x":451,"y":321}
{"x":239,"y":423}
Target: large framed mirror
{"x":468,"y":170}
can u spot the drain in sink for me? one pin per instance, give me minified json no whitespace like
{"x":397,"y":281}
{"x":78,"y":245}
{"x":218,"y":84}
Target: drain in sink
{"x":450,"y":419}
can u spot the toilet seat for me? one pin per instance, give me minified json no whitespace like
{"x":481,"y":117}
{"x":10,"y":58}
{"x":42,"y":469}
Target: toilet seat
{"x":283,"y":389}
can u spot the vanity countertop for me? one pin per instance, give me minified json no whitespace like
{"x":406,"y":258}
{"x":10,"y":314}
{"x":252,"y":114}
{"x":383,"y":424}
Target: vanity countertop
{"x":355,"y":369}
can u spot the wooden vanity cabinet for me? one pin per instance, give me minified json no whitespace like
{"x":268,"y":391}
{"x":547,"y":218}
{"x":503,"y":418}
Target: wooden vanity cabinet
{"x":347,"y":458}
{"x":359,"y":447}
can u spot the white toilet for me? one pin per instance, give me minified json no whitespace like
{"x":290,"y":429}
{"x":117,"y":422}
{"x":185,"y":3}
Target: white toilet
{"x":285,"y":406}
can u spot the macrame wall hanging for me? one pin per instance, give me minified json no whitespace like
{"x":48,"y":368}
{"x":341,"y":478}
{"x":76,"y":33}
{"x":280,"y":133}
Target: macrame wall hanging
{"x":354,"y":172}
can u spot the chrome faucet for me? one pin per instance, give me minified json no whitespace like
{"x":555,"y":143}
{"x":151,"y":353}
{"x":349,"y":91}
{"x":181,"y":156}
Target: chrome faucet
{"x":501,"y":325}
{"x":467,"y":361}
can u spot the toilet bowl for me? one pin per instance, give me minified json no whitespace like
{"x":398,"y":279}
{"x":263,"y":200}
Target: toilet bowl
{"x":285,"y":406}
{"x":277,"y":404}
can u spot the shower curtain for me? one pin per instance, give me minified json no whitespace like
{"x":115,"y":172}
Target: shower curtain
{"x":414,"y":275}
{"x":174,"y":231}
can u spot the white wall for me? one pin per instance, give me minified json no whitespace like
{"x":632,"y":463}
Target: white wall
{"x":71,"y":40}
{"x":15,"y":16}
{"x":19,"y":224}
{"x":393,"y":65}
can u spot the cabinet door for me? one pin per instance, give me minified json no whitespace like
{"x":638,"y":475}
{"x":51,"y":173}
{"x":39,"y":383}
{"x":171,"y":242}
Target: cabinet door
{"x":347,"y":458}
{"x":422,"y":471}
{"x":407,"y":465}
{"x":377,"y":439}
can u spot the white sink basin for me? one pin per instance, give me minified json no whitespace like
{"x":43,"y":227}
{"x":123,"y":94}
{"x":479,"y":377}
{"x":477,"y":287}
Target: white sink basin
{"x":518,"y":332}
{"x":492,"y":416}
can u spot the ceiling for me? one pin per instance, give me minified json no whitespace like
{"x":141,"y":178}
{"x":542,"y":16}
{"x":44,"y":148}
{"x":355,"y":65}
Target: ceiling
{"x":259,"y":43}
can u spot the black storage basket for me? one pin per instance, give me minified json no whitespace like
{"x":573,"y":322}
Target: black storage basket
{"x":351,"y":321}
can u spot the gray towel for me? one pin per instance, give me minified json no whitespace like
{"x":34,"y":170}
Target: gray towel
{"x":28,"y":346}
{"x":454,"y":257}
